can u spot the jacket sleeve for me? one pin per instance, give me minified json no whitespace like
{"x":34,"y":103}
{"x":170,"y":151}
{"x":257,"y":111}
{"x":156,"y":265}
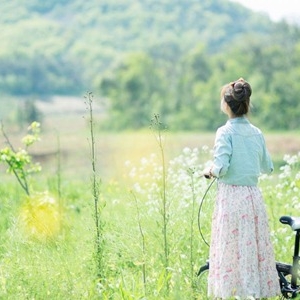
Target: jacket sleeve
{"x":266,"y":164}
{"x":222,"y":154}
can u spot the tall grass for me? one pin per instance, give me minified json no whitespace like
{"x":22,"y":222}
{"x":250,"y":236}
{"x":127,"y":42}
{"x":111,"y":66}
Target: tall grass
{"x":96,"y":183}
{"x":158,"y":128}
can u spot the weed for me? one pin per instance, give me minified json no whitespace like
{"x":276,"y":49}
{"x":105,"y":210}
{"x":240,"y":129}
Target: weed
{"x":19,"y":161}
{"x":96,"y":182}
{"x":158,"y":128}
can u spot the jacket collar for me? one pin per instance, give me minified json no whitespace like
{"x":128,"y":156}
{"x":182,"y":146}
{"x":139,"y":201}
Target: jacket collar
{"x":240,"y":120}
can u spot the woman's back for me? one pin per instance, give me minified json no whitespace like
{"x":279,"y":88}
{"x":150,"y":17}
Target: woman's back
{"x":248,"y":158}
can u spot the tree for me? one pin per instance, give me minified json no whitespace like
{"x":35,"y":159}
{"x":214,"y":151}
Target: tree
{"x":28,"y":113}
{"x":192,"y":103}
{"x":136,"y":91}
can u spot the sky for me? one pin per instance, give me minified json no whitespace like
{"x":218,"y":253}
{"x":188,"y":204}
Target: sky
{"x":276,"y":9}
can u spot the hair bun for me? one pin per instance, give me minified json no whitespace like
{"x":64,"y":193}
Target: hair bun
{"x":241,"y":90}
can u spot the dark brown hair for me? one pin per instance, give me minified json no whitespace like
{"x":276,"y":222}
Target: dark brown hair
{"x":237,"y":95}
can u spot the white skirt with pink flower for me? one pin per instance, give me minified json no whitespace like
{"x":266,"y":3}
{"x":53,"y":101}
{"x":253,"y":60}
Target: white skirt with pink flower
{"x":242,"y":262}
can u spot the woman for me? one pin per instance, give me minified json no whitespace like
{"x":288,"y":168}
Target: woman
{"x":242,"y":260}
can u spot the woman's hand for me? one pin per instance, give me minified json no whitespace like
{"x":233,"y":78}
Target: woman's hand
{"x":207,"y":173}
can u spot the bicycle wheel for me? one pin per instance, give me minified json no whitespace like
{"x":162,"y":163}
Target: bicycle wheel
{"x":285,"y":277}
{"x":202,"y":283}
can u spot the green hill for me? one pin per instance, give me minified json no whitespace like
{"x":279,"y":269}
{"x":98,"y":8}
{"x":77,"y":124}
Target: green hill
{"x":62,"y":46}
{"x":146,"y":56}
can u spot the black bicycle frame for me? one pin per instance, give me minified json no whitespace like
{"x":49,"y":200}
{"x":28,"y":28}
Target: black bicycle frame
{"x":296,"y":259}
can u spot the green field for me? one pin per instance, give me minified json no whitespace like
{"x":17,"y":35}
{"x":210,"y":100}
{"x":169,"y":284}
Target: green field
{"x":148,"y":205}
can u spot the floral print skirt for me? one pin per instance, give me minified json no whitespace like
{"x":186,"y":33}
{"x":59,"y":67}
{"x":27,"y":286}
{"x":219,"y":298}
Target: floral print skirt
{"x":242,"y":262}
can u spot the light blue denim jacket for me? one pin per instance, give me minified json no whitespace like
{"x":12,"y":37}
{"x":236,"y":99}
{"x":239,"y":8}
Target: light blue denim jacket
{"x":240,"y":153}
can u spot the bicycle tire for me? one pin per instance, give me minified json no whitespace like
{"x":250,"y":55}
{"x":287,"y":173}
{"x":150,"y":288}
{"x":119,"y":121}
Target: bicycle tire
{"x":202,"y":284}
{"x":202,"y":276}
{"x":284,"y":273}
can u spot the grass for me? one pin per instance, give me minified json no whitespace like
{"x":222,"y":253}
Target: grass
{"x":114,"y":149}
{"x":61,"y":266}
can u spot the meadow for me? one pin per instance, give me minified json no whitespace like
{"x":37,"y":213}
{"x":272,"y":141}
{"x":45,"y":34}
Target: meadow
{"x":149,"y":188}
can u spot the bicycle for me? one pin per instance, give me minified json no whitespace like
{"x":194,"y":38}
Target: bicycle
{"x":288,"y":274}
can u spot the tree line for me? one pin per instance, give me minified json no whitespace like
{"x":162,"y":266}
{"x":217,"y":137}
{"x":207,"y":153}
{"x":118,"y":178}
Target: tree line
{"x":186,"y":93}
